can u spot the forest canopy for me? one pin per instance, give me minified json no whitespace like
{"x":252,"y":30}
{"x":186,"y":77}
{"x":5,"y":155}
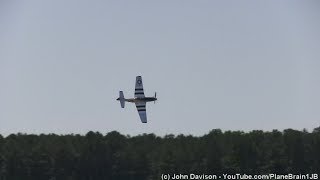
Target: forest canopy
{"x":147,"y":156}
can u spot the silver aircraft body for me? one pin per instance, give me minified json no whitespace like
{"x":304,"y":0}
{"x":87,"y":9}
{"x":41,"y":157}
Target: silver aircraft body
{"x":139,"y":99}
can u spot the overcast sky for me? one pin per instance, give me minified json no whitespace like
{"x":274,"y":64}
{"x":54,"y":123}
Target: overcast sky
{"x":233,"y":65}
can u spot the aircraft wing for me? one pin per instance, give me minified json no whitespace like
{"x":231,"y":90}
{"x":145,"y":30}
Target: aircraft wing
{"x":138,"y":92}
{"x":141,"y":107}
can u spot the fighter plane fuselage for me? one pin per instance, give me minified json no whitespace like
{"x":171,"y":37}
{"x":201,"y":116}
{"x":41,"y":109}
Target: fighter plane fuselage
{"x":145,"y":99}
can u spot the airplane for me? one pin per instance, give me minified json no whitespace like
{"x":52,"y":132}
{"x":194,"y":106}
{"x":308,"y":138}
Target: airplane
{"x":139,"y":99}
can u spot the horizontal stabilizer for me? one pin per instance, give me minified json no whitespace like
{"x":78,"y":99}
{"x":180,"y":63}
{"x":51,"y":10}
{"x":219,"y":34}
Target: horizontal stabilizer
{"x":121,"y":99}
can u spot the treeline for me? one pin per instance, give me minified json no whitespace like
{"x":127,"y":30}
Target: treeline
{"x":114,"y":156}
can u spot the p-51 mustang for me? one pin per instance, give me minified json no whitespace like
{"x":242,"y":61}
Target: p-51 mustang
{"x":139,"y":99}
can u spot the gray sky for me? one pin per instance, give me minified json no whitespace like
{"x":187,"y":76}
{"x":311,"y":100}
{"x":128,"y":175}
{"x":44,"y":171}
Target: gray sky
{"x":233,"y":65}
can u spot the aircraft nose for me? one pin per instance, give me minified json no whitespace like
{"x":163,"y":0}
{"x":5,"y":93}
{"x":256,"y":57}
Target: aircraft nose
{"x":118,"y":99}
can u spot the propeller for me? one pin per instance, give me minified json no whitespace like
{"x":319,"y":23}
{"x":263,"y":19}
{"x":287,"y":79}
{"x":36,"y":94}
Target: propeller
{"x":155,"y":96}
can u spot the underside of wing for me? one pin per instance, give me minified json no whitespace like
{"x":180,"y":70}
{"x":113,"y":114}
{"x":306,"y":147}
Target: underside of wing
{"x":141,"y":107}
{"x":138,"y":92}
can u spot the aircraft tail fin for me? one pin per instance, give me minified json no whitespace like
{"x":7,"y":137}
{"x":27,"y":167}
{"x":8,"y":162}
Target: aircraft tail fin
{"x":121,"y":99}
